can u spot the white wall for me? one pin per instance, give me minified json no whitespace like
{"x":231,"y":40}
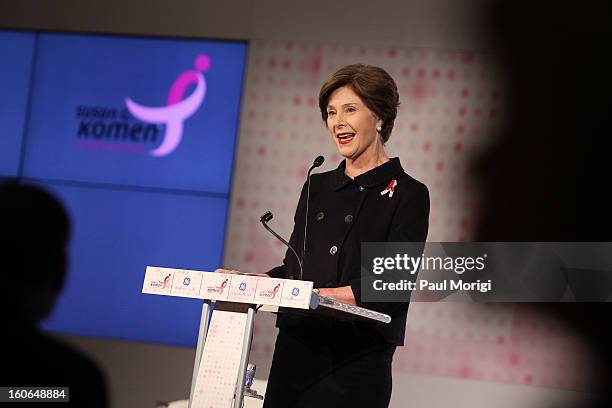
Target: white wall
{"x":414,"y":23}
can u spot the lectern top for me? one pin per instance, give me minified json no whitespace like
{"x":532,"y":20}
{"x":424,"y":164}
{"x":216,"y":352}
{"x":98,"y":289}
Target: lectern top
{"x":289,"y":295}
{"x":239,"y":288}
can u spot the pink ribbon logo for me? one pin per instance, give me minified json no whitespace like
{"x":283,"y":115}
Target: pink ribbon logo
{"x":166,"y":281}
{"x":223,"y":285}
{"x":273,"y":291}
{"x":178,"y":109}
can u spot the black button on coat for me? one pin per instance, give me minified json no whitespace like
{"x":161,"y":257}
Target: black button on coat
{"x":376,"y":217}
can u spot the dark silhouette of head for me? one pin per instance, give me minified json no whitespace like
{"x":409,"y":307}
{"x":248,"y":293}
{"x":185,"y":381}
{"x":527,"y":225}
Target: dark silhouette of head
{"x":547,"y":177}
{"x":35,"y":233}
{"x":35,"y":230}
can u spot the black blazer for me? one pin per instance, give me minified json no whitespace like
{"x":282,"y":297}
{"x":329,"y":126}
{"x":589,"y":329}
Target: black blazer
{"x":342,"y":214}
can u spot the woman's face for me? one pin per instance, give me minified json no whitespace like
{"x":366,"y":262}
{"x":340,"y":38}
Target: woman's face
{"x":351,"y":124}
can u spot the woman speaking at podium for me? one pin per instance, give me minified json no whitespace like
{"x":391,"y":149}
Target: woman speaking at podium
{"x":368,"y":198}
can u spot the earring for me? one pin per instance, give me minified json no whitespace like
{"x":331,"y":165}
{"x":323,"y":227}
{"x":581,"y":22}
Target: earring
{"x":379,"y":129}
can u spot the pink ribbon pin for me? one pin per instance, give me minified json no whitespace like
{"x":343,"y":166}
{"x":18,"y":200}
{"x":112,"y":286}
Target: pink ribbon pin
{"x":390,"y":188}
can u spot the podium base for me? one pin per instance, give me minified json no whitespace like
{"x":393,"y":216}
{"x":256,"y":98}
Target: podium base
{"x":250,"y":401}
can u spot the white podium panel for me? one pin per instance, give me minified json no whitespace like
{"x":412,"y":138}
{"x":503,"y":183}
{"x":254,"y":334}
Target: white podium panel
{"x":220,"y":363}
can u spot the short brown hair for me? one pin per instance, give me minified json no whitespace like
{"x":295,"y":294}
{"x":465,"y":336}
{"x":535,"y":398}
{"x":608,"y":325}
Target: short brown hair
{"x":373,"y":85}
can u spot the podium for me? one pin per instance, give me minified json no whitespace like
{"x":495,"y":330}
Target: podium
{"x":224,"y":337}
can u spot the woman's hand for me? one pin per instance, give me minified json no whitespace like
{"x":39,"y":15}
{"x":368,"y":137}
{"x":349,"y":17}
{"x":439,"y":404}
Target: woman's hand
{"x":343,"y":294}
{"x":235,"y":272}
{"x":232,"y":271}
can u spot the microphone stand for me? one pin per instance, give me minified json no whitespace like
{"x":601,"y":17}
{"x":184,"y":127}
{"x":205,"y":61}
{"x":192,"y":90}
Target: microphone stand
{"x":264,"y":221}
{"x":317,"y":162}
{"x":267,"y":216}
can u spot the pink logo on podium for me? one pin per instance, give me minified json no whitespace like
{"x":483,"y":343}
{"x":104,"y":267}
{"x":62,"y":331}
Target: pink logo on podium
{"x":270,"y":293}
{"x":222,"y":287}
{"x":166,"y":281}
{"x":162,"y":284}
{"x":274,"y":291}
{"x":178,"y":108}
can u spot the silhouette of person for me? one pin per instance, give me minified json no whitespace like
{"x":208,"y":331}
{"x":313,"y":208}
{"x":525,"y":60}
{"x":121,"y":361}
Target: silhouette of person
{"x":547,"y":177}
{"x":35,"y":231}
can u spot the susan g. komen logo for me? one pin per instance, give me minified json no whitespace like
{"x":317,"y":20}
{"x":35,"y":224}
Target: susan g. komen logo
{"x":162,"y":284}
{"x":178,"y":108}
{"x":270,"y":293}
{"x":218,"y":289}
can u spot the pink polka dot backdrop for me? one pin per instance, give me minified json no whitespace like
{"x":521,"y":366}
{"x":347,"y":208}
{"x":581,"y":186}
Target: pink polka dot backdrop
{"x":451,"y":108}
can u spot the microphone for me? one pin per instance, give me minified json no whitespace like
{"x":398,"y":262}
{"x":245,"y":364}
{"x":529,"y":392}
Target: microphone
{"x":267,"y":217}
{"x":316,"y":163}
